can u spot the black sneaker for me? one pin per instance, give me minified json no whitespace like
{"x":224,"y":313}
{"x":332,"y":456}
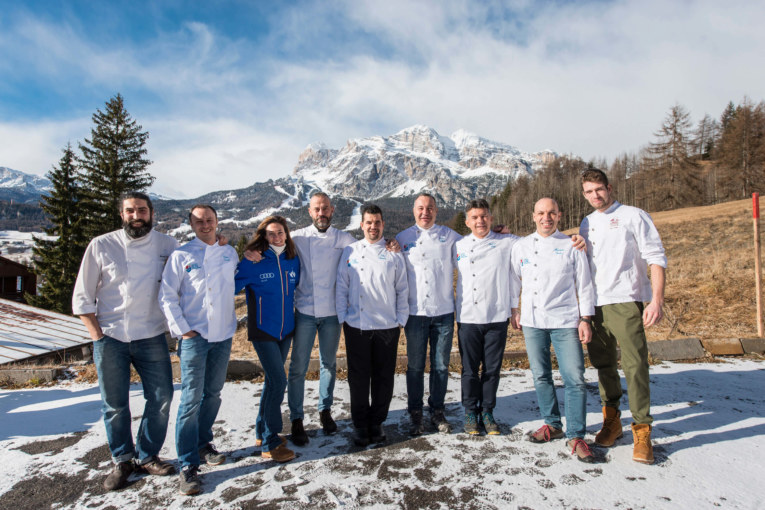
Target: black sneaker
{"x":416,"y":428}
{"x":360,"y":437}
{"x":118,"y":476}
{"x":376,"y":434}
{"x":439,"y":421}
{"x":471,"y":424}
{"x":299,"y":437}
{"x":327,"y":423}
{"x":211,"y":456}
{"x":489,"y":424}
{"x":189,"y":481}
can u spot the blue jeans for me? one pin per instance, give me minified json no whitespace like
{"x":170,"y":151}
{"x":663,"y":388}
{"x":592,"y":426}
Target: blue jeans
{"x":306,"y":327}
{"x":151,"y":359}
{"x":422,"y":331}
{"x":268,"y":424}
{"x":568,"y":351}
{"x":203,"y":373}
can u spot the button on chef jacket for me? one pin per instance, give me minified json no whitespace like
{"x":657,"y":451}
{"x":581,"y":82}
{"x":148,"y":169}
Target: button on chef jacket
{"x":372,"y":291}
{"x":621,"y":242}
{"x":319,"y":254}
{"x":552,"y":274}
{"x":118,"y":281}
{"x":430,"y":268}
{"x":486,"y":284}
{"x":197,"y":291}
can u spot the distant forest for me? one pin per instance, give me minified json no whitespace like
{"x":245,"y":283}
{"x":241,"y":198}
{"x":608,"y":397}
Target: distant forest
{"x":713,"y":161}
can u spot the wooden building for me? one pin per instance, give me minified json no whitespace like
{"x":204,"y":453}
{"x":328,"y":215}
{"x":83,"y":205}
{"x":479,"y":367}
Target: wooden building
{"x":16,"y":280}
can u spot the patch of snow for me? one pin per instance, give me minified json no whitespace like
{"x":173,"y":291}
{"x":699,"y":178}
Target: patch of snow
{"x":355,"y":221}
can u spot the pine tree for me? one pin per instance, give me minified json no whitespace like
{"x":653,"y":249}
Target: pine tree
{"x":241,"y":245}
{"x":57,"y":262}
{"x":113,"y":161}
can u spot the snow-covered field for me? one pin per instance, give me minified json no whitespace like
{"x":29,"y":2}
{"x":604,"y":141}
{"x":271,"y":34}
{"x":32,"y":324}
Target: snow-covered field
{"x":709,"y":434}
{"x":17,"y":245}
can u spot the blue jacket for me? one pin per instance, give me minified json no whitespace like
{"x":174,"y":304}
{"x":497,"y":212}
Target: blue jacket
{"x":270,"y":286}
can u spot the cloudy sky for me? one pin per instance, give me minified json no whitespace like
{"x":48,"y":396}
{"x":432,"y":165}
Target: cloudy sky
{"x":232,"y":91}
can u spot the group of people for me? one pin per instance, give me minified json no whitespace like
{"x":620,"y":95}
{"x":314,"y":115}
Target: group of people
{"x":563,"y":292}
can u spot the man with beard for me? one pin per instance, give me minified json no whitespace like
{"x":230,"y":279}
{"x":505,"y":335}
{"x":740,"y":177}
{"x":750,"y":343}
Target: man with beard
{"x":319,"y":247}
{"x":116,"y":297}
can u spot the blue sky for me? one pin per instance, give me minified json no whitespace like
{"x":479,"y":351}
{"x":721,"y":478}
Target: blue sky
{"x":232,"y":91}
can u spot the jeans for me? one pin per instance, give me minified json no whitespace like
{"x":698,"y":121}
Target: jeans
{"x":268,"y":424}
{"x":371,"y":371}
{"x":481,"y":344}
{"x":306,"y":327}
{"x":203,"y":372}
{"x":622,"y":324}
{"x":437,"y":332}
{"x":568,"y":351}
{"x":151,"y":359}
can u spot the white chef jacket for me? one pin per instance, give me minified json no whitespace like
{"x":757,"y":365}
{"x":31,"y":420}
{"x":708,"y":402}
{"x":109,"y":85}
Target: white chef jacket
{"x":372,"y":290}
{"x":430,"y":268}
{"x":486,"y":284}
{"x":118,"y":281}
{"x":552,"y":274}
{"x":319,"y":254}
{"x":621,"y":242}
{"x":197,"y":291}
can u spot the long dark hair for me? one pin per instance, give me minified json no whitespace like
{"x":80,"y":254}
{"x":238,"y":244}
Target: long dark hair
{"x":259,"y":242}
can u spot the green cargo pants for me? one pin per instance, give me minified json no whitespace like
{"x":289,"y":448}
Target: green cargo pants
{"x":622,"y":324}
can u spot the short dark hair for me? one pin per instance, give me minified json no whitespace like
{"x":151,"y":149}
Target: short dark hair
{"x":139,"y":195}
{"x":202,"y":206}
{"x":595,"y":175}
{"x":370,"y":209}
{"x":427,"y":195}
{"x":479,"y":203}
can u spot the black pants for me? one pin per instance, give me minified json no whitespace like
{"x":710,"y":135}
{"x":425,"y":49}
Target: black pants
{"x":371,"y":365}
{"x":481,"y":344}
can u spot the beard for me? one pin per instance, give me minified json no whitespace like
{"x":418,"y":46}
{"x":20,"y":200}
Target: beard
{"x":137,"y":228}
{"x":322,"y":223}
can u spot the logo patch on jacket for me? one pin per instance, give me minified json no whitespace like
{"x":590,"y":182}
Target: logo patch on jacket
{"x":614,"y":223}
{"x":189,"y":267}
{"x":558,"y":251}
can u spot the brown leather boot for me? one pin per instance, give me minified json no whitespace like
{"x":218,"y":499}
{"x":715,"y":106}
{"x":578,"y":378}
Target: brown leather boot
{"x":612,"y":427}
{"x":643,"y":449}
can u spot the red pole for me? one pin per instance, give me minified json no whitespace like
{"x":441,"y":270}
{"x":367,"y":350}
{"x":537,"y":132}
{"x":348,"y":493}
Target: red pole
{"x":757,"y":271}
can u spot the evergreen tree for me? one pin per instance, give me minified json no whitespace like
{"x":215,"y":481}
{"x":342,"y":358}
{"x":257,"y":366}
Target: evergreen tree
{"x":241,"y":245}
{"x":57,"y":262}
{"x":113,"y":161}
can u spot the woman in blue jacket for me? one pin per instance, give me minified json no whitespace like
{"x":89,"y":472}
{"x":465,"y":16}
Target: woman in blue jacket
{"x":270,"y":286}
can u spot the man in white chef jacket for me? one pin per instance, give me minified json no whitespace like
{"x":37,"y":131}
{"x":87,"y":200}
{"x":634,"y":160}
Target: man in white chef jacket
{"x":115,"y":295}
{"x":486,"y":287}
{"x":622,"y":244}
{"x":319,"y":247}
{"x":554,"y":274}
{"x":427,"y":249}
{"x":197,"y":298}
{"x":372,"y":303}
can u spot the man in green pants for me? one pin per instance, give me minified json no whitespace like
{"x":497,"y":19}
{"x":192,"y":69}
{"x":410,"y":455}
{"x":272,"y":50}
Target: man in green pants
{"x":622,"y":243}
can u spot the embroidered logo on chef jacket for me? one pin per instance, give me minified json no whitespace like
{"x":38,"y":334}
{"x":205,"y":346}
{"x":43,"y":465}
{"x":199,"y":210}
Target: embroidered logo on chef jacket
{"x":614,"y":223}
{"x":558,"y":251}
{"x":352,"y":262}
{"x":461,"y":256}
{"x":492,"y":244}
{"x":407,"y":247}
{"x":442,"y":239}
{"x":189,"y":267}
{"x":383,"y":255}
{"x":226,"y":258}
{"x":525,"y":262}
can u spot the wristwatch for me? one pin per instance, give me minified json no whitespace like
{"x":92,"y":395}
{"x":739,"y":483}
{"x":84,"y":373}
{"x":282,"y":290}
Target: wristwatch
{"x":586,"y":319}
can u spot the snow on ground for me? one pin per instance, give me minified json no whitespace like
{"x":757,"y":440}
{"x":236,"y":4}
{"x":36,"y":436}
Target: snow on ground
{"x":355,"y":221}
{"x":709,"y":435}
{"x":17,"y":246}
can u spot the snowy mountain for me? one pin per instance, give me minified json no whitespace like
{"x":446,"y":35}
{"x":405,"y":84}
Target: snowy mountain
{"x":21,"y":187}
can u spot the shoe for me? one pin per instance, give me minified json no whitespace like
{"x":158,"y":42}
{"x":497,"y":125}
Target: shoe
{"x":259,"y":442}
{"x":612,"y":427}
{"x":489,"y":424}
{"x":118,"y":476}
{"x":643,"y":449}
{"x":545,"y":433}
{"x":581,"y":450}
{"x":376,"y":434}
{"x":416,"y":428}
{"x":471,"y":424}
{"x":360,"y":437}
{"x":189,"y":481}
{"x":279,"y":454}
{"x":209,"y":455}
{"x":156,"y":466}
{"x":438,"y":420}
{"x":327,"y":423}
{"x":298,"y":436}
